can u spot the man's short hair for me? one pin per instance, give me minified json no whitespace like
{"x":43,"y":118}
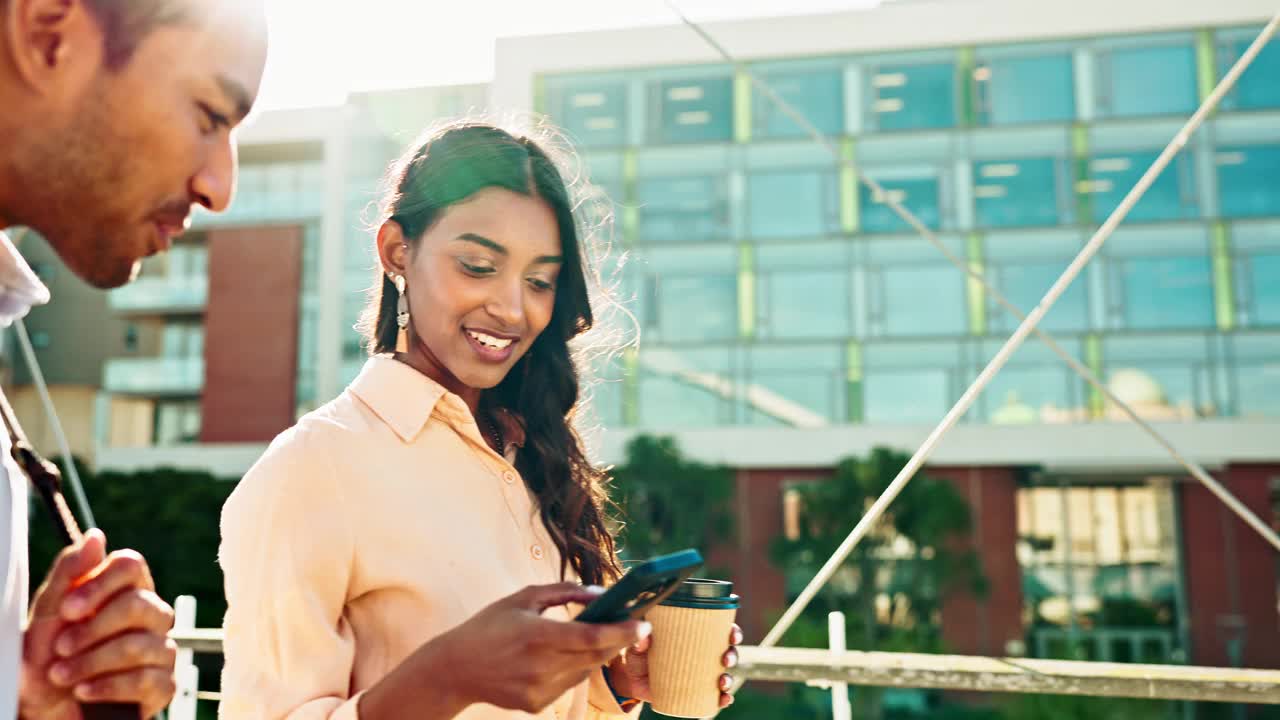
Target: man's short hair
{"x":126,"y":23}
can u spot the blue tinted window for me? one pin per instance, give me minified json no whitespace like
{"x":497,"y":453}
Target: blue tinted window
{"x":601,"y":198}
{"x":1172,"y":196}
{"x":605,"y":393}
{"x":594,"y":114}
{"x":1258,"y":389}
{"x":793,"y":203}
{"x":694,"y":307}
{"x":1022,"y":394}
{"x":606,"y":404}
{"x":813,"y":304}
{"x":1147,"y":81}
{"x":795,"y":385}
{"x":683,"y":208}
{"x":1247,"y":180}
{"x":1016,"y":90}
{"x":1035,"y":386}
{"x":683,"y":389}
{"x":917,"y":300}
{"x":1259,"y":86}
{"x":1256,"y":362}
{"x":795,"y":399}
{"x":1025,"y":285}
{"x":1264,"y":288}
{"x":1012,"y":193}
{"x":911,"y":97}
{"x":906,"y":397}
{"x":698,"y":110}
{"x":919,"y":196}
{"x":1172,"y":292}
{"x":1176,"y":367}
{"x":818,"y":96}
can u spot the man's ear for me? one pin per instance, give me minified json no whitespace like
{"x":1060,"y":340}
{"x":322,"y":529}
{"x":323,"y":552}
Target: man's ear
{"x":52,"y":44}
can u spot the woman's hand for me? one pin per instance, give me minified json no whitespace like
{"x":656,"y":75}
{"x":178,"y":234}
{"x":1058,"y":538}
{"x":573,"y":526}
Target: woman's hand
{"x":507,"y":655}
{"x":629,"y":673}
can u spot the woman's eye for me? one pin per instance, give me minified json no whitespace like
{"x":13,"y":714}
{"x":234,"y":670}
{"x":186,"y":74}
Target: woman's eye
{"x":476,"y":268}
{"x":540,"y":284}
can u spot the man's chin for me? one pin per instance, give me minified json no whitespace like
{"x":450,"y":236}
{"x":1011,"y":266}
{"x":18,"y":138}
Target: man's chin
{"x":109,"y":277}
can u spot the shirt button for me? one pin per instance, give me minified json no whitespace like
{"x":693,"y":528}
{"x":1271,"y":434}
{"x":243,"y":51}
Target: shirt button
{"x":536,"y":551}
{"x":509,"y":477}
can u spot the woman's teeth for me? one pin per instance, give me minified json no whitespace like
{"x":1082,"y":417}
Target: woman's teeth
{"x":489,"y":340}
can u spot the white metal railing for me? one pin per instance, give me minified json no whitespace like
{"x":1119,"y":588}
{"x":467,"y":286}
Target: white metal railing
{"x":836,"y":669}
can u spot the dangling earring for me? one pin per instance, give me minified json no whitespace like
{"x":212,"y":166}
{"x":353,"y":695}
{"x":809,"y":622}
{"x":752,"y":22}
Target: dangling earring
{"x":402,"y":316}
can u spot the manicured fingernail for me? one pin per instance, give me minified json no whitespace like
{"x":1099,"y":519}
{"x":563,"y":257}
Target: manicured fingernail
{"x":59,"y":673}
{"x":644,"y":630}
{"x":63,"y":647}
{"x":593,"y":589}
{"x":737,"y":637}
{"x":74,"y":607}
{"x":726,"y":682}
{"x":732,"y":660}
{"x":82,"y":692}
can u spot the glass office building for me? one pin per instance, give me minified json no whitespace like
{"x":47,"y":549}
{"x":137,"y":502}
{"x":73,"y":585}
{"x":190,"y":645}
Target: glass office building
{"x":762,"y":262}
{"x":789,"y":317}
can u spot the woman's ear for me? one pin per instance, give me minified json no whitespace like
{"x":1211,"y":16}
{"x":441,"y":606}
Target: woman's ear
{"x":393,"y":253}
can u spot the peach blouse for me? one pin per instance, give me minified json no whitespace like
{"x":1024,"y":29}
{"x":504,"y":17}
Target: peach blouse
{"x":378,"y":522}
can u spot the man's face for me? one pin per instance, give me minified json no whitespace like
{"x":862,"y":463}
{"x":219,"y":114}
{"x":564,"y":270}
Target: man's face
{"x":114,"y":177}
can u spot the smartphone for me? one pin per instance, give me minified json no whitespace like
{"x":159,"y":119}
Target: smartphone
{"x":644,"y":586}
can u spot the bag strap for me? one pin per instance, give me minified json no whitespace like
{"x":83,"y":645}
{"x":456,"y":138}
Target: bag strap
{"x":43,"y":475}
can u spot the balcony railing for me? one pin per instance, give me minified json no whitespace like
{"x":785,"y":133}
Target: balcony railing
{"x":161,"y":295}
{"x":154,"y":376}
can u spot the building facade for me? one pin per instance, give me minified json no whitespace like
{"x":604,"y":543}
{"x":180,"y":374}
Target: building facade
{"x":789,"y":318}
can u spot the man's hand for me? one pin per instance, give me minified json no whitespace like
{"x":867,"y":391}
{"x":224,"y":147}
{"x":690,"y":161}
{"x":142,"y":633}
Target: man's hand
{"x":97,"y":633}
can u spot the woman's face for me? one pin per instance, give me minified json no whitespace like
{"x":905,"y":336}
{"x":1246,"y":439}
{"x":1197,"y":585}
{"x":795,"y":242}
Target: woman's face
{"x":481,"y":285}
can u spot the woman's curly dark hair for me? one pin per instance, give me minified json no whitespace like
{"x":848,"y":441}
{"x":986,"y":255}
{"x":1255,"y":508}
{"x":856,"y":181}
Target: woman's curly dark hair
{"x":542,"y":389}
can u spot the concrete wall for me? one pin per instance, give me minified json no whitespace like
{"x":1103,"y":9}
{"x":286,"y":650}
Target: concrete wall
{"x":75,"y":406}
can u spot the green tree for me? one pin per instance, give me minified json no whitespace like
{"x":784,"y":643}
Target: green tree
{"x":892,"y":586}
{"x":668,"y":502}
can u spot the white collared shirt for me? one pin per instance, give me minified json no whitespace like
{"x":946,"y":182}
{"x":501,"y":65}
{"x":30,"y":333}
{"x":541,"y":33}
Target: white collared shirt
{"x":20,"y":289}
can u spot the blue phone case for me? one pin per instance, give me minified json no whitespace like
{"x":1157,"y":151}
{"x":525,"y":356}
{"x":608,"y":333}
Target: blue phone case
{"x":644,"y":586}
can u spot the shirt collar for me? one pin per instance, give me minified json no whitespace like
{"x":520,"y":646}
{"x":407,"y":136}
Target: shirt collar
{"x":20,"y":289}
{"x":405,"y":399}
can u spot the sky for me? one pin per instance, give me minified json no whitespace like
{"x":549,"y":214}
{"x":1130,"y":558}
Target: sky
{"x":321,"y":51}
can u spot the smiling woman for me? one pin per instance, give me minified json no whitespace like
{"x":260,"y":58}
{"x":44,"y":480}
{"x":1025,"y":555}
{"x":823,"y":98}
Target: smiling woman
{"x":481,"y":227}
{"x":449,"y":474}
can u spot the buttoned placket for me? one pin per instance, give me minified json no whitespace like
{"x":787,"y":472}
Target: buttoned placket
{"x":502,"y":470}
{"x":509,"y":482}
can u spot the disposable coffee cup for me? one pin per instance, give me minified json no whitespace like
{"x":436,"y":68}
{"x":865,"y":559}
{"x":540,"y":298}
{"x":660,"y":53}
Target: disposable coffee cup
{"x":690,"y":636}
